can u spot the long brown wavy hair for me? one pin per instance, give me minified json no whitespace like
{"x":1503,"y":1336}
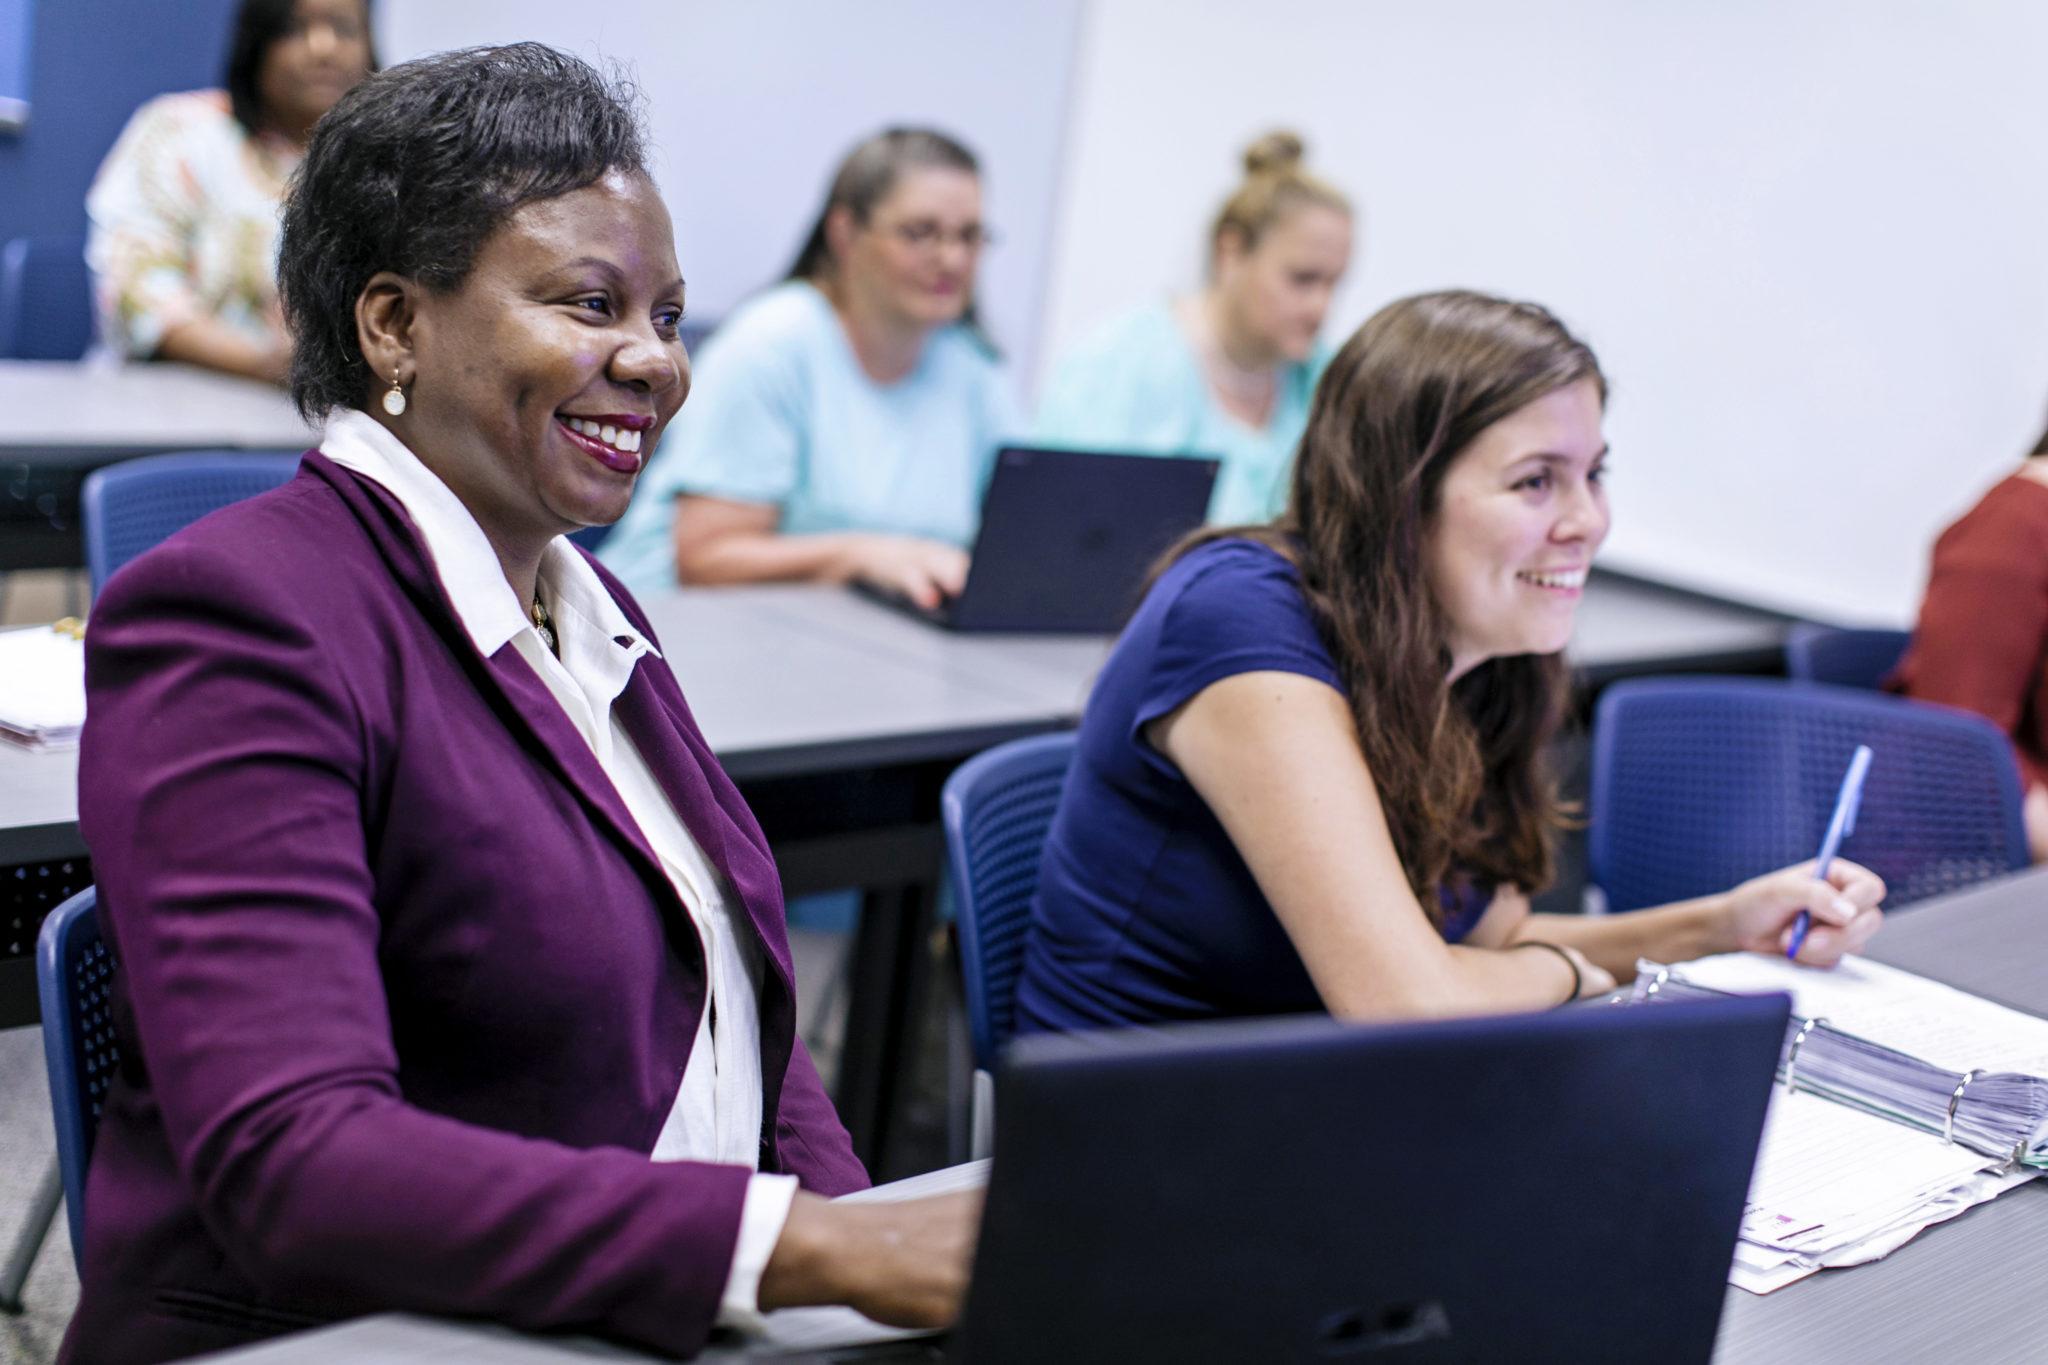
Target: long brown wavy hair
{"x":1460,"y":768}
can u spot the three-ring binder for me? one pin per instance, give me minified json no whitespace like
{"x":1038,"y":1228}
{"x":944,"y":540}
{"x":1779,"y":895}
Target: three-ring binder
{"x":2003,"y":1115}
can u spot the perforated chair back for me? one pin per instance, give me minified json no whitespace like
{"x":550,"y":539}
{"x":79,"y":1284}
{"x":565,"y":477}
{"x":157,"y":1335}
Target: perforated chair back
{"x":1845,"y":658}
{"x":45,"y":299}
{"x":134,"y":505}
{"x":997,"y":807}
{"x":75,"y":978}
{"x":1699,"y":783}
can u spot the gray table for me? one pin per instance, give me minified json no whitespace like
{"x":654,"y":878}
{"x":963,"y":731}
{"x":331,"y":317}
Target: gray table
{"x":800,"y":679}
{"x":65,"y":412}
{"x":840,"y":719}
{"x":61,"y":419}
{"x":1969,"y":1289}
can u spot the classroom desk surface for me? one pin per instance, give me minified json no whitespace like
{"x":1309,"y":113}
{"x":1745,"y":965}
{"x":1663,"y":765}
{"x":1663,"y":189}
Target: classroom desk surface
{"x":1965,"y":1290}
{"x":85,"y":413}
{"x":787,"y":679}
{"x":61,"y":419}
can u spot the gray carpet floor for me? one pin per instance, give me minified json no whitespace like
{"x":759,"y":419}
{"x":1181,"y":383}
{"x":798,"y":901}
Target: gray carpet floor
{"x":27,"y":1145}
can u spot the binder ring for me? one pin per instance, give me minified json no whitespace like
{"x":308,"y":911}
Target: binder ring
{"x":1663,"y":975}
{"x":1948,"y":1124}
{"x":1806,"y":1026}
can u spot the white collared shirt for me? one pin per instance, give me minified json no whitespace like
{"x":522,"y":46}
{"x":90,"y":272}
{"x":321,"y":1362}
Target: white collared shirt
{"x":717,"y":1112}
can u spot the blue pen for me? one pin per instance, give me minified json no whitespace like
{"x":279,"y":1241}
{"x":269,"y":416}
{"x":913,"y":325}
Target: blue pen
{"x":1842,"y":822}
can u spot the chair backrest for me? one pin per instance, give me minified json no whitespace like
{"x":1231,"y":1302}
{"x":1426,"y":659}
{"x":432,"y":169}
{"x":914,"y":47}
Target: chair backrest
{"x":590,"y":537}
{"x":1699,"y":783}
{"x":1846,"y":658}
{"x":997,"y":807}
{"x":45,"y":299}
{"x":131,"y":506}
{"x":75,"y":978}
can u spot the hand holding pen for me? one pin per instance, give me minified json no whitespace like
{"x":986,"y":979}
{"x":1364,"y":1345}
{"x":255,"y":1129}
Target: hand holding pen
{"x":1840,"y":824}
{"x":1824,"y":909}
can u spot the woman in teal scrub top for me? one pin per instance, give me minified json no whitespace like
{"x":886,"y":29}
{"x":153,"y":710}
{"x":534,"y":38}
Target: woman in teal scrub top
{"x":841,"y":425}
{"x":1227,"y":371}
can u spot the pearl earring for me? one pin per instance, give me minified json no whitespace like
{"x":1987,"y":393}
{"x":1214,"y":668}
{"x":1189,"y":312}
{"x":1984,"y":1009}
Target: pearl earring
{"x":394,"y":401}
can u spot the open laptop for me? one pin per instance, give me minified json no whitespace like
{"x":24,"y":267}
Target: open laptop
{"x":1540,"y":1187}
{"x":1066,"y":538}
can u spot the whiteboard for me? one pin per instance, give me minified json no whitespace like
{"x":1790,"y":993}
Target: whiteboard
{"x":751,"y":106}
{"x":1808,"y":238}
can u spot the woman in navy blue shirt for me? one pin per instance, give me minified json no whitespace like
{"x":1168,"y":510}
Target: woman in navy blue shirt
{"x":1312,"y":774}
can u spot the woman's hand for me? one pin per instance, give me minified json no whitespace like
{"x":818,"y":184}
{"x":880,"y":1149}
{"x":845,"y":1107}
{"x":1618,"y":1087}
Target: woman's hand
{"x":1594,"y":980}
{"x":925,"y":571}
{"x":905,"y":1263}
{"x":2034,"y":815}
{"x":1844,"y":907}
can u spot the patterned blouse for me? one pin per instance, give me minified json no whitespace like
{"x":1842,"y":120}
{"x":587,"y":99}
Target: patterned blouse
{"x":184,"y":223}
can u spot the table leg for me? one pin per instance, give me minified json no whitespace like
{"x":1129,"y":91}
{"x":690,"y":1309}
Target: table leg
{"x":29,"y":1240}
{"x":890,"y":978}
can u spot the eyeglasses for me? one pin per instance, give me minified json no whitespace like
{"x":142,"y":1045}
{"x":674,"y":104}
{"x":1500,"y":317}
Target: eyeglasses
{"x":925,"y":235}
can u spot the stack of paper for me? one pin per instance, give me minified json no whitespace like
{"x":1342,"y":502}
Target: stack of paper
{"x":1839,"y":1185}
{"x":42,"y":687}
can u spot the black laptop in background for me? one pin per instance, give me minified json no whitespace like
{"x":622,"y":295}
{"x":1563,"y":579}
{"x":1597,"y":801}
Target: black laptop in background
{"x":1066,"y":538}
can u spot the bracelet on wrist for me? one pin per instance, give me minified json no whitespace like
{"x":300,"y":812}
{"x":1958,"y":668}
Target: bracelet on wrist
{"x":1578,"y":981}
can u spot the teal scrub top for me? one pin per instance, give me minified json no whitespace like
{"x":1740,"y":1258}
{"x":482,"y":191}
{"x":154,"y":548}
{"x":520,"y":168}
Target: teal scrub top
{"x":1136,"y":385}
{"x":781,"y":412}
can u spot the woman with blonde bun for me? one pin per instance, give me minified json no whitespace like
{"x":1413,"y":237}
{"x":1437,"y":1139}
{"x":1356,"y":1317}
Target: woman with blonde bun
{"x":1228,"y":370}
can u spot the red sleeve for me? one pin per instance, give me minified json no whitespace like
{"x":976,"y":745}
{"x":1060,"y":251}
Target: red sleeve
{"x":1983,"y":626}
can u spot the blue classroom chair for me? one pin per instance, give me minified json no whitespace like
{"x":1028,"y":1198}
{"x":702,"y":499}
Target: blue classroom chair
{"x":134,"y":505}
{"x":75,"y":979}
{"x":45,"y":299}
{"x":1699,"y":783}
{"x":1843,"y":657}
{"x":996,"y":808}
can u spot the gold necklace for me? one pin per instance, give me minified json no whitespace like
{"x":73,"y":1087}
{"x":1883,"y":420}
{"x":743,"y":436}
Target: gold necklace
{"x":545,"y":625}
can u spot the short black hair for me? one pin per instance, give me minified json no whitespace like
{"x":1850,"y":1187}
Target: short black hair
{"x":416,"y":166}
{"x":259,"y":24}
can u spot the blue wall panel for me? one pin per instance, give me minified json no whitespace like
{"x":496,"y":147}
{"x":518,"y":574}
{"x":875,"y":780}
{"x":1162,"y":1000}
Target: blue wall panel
{"x":15,"y":16}
{"x":91,"y":62}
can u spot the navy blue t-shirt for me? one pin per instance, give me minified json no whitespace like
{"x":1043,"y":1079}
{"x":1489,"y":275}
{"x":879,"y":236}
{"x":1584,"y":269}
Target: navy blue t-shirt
{"x":1145,"y":912}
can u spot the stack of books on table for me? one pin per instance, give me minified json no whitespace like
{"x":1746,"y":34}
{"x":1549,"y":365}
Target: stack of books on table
{"x":42,"y":685}
{"x":1901,"y":1102}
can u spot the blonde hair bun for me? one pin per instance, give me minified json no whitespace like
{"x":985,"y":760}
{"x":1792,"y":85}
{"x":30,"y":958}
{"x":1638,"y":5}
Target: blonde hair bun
{"x":1277,"y":153}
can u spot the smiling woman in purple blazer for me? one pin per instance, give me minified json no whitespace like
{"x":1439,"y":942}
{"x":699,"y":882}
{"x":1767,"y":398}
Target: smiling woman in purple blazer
{"x":453,"y":971}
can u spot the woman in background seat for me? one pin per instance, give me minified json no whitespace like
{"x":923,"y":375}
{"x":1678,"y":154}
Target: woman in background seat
{"x":1981,"y":642}
{"x":1229,"y":370}
{"x":1312,"y":774}
{"x":183,"y":212}
{"x":845,"y":421}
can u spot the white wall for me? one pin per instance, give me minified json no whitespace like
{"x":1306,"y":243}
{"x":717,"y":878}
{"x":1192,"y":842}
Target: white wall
{"x":1807,"y":237}
{"x":751,"y":106}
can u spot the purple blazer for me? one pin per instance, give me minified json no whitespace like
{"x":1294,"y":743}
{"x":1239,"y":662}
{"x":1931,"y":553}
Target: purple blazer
{"x":404,"y":996}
